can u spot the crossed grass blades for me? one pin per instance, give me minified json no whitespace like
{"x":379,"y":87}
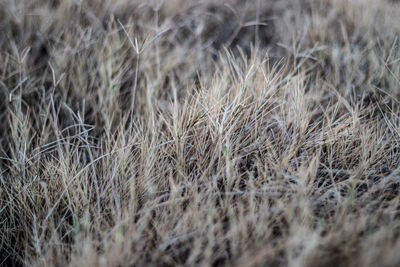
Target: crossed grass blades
{"x":167,"y":133}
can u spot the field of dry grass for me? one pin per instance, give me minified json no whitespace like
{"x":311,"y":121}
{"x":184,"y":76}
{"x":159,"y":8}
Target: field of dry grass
{"x":211,"y":133}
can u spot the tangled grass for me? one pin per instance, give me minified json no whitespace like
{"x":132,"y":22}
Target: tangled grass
{"x":185,"y":132}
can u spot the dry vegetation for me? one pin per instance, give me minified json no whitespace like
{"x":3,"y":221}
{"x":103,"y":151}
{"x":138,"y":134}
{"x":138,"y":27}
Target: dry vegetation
{"x":186,"y":132}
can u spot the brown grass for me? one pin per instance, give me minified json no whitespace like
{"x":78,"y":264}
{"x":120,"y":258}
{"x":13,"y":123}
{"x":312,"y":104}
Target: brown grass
{"x":167,"y":133}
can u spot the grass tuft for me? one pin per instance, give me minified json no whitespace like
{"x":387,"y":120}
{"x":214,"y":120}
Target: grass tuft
{"x":210,"y":133}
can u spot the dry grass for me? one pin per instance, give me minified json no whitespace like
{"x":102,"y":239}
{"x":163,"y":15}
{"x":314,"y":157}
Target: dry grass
{"x":199,"y":133}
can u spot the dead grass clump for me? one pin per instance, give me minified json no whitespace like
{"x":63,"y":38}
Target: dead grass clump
{"x":199,"y":133}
